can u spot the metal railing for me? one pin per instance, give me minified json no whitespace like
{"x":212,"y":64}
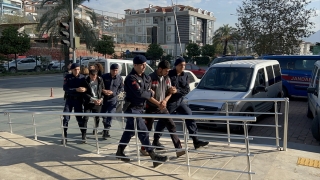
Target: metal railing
{"x":239,"y":119}
{"x":275,"y":113}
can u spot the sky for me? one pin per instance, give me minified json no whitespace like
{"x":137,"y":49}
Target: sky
{"x":222,"y":9}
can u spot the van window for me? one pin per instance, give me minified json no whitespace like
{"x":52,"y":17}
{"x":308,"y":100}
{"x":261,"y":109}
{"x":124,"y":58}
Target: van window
{"x":122,"y":68}
{"x":148,"y":70}
{"x":313,"y":74}
{"x":277,"y":72}
{"x":261,"y":78}
{"x":188,"y":67}
{"x":191,"y":78}
{"x":316,"y":84}
{"x":270,"y":75}
{"x":304,"y":64}
{"x":129,"y":67}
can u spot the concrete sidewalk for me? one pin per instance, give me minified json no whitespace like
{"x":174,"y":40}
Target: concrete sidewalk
{"x":23,"y":158}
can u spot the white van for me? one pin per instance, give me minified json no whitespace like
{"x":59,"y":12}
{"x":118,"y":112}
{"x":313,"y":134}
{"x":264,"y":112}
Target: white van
{"x":239,"y":80}
{"x":314,"y":101}
{"x":125,"y":66}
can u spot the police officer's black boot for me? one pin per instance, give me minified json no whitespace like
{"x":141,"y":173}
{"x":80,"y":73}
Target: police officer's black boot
{"x":84,"y":136}
{"x":65,"y":135}
{"x":198,"y":143}
{"x":105,"y":134}
{"x":156,"y":157}
{"x":157,"y":143}
{"x":121,"y":155}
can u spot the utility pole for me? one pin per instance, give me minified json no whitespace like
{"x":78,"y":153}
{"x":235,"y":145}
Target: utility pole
{"x":74,"y":57}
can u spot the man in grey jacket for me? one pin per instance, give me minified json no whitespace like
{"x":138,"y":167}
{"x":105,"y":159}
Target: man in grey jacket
{"x":161,"y":85}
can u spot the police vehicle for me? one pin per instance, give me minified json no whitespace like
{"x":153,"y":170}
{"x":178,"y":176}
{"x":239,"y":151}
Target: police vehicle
{"x":296,"y":73}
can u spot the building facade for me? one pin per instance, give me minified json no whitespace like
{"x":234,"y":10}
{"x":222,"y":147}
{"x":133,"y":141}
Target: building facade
{"x":11,"y":7}
{"x":157,"y":25}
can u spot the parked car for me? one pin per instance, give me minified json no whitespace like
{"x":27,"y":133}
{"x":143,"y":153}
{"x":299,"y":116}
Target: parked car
{"x":240,"y":80}
{"x":314,"y":101}
{"x":229,"y":58}
{"x":58,"y":66}
{"x":24,"y":64}
{"x":199,"y":72}
{"x":193,"y":80}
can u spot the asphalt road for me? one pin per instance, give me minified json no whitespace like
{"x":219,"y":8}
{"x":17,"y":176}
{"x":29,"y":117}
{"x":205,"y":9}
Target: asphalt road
{"x":33,"y":93}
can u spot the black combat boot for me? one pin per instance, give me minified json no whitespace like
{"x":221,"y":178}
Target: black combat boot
{"x":104,"y":134}
{"x":198,"y":143}
{"x":156,"y":157}
{"x":84,"y":136}
{"x":157,"y":143}
{"x":121,"y":155}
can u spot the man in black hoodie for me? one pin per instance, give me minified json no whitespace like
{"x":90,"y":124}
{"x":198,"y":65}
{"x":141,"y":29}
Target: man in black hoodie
{"x":93,"y":99}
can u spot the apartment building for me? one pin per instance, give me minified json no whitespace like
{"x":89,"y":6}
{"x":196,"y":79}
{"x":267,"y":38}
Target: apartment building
{"x":11,"y":7}
{"x":157,"y":25}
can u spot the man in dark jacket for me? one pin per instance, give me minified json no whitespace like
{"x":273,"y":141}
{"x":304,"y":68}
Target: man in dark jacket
{"x":113,"y":83}
{"x":93,"y":99}
{"x":180,"y":86}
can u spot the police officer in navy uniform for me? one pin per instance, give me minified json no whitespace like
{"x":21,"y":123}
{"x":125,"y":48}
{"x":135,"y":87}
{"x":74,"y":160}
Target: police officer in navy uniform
{"x":137,"y":86}
{"x":180,"y":88}
{"x":113,"y":86}
{"x":74,"y":95}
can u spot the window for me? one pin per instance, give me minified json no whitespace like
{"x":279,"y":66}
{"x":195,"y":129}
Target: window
{"x":148,"y":70}
{"x":191,"y":78}
{"x":188,"y":67}
{"x":168,"y":28}
{"x":277,"y":73}
{"x":139,"y":29}
{"x":155,"y":20}
{"x":260,"y":79}
{"x":122,"y":68}
{"x":194,"y":67}
{"x":168,"y":37}
{"x":270,"y":75}
{"x":147,"y":20}
{"x":316,"y":83}
{"x":129,"y":67}
{"x":169,"y":19}
{"x":304,"y":64}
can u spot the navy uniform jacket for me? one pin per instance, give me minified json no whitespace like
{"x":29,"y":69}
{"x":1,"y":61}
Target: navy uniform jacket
{"x":113,"y":84}
{"x":137,"y":88}
{"x":70,"y":84}
{"x":181,"y":83}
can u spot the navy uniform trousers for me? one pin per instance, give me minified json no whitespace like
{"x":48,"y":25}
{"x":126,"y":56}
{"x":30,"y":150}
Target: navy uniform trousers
{"x":181,"y":108}
{"x":143,"y":136}
{"x":70,"y":104}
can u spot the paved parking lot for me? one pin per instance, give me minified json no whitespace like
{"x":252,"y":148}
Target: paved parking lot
{"x":299,"y":124}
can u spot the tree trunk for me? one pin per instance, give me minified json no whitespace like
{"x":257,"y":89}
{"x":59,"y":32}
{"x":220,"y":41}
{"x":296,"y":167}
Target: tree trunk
{"x":225,"y":47}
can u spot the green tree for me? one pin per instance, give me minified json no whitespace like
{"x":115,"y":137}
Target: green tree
{"x":275,"y":26}
{"x":193,"y":50}
{"x":208,"y":50}
{"x":49,"y":22}
{"x":105,"y":45}
{"x":218,"y":48}
{"x":223,"y":35}
{"x":14,"y":42}
{"x":154,"y":51}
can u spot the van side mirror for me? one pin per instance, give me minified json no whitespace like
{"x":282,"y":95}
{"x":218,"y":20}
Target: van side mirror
{"x":196,"y":84}
{"x":312,"y":90}
{"x":260,"y":89}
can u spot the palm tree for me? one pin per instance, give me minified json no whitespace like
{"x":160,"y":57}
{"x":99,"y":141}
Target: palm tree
{"x":49,"y":22}
{"x":223,"y":35}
